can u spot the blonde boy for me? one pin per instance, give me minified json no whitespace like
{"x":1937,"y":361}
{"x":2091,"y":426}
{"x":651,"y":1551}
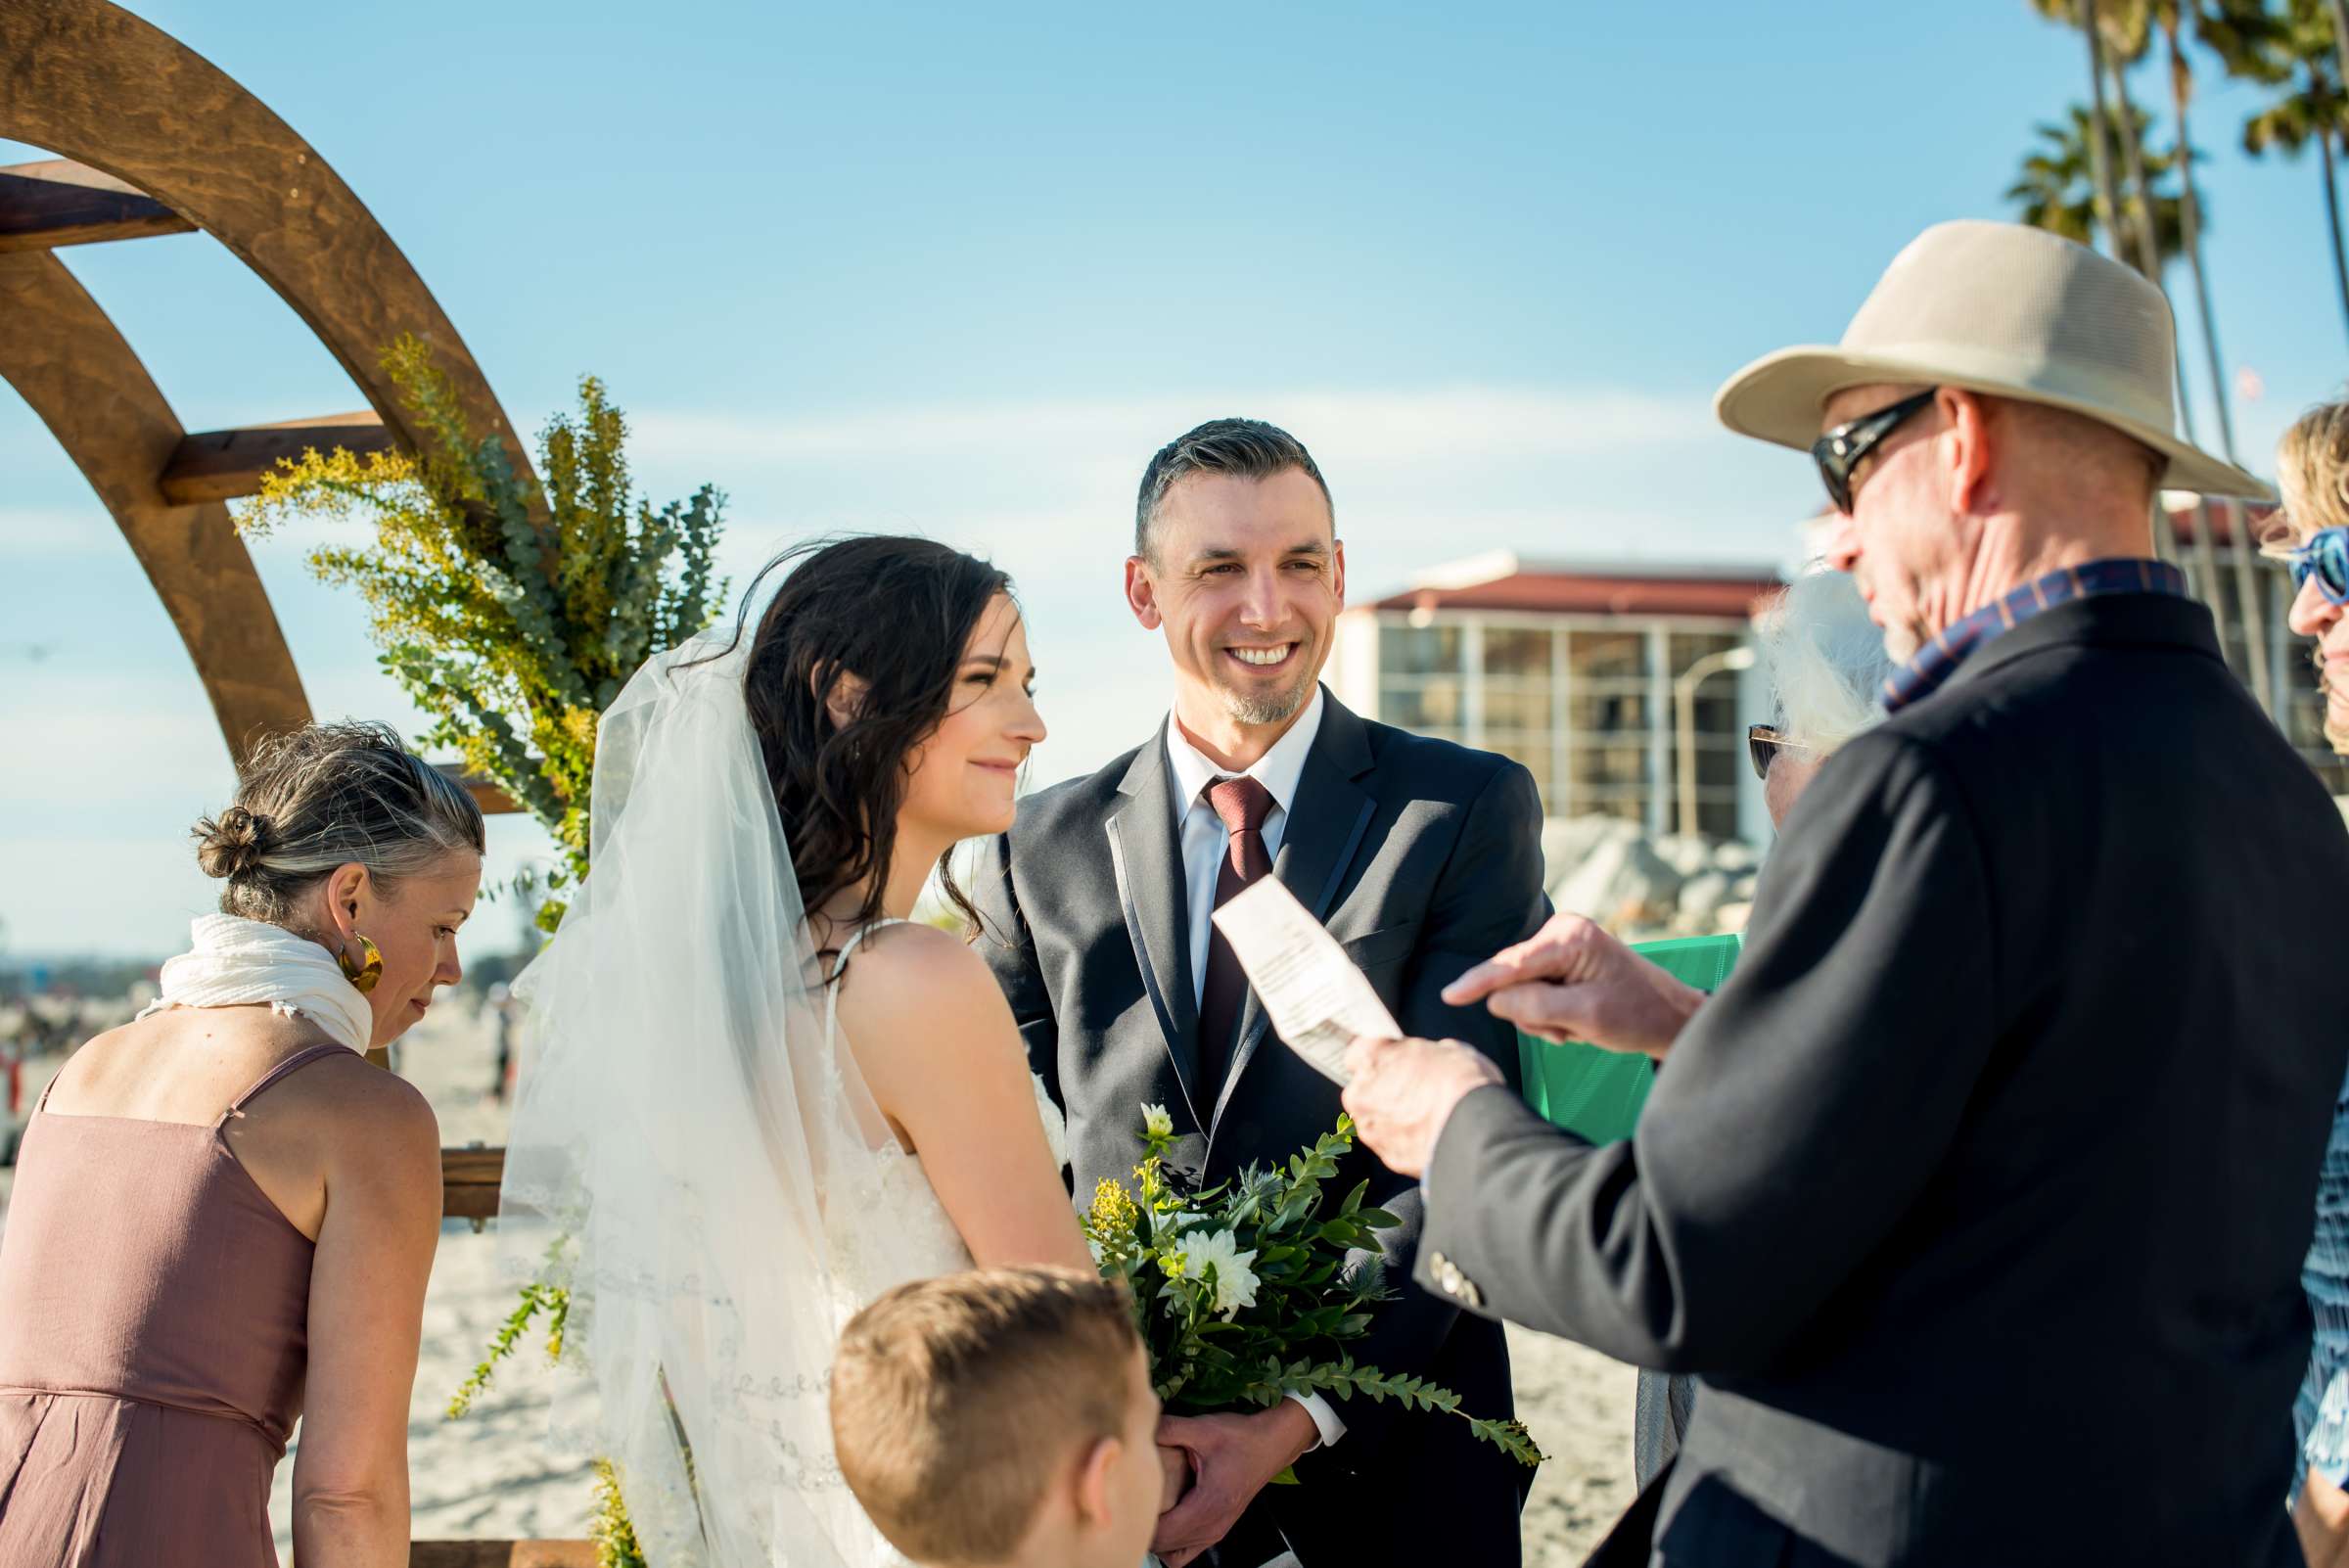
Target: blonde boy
{"x":1001,"y":1418}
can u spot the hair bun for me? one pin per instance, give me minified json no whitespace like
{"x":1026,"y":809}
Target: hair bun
{"x":230,"y":844}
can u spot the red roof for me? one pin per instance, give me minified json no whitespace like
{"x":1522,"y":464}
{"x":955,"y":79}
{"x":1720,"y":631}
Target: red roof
{"x":1567,"y":591}
{"x":2224,"y":518}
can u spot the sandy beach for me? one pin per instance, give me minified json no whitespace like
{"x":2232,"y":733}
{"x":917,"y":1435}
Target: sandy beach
{"x":495,"y":1475}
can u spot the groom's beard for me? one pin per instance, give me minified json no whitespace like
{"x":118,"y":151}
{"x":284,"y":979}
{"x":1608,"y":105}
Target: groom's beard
{"x":1255,"y":709}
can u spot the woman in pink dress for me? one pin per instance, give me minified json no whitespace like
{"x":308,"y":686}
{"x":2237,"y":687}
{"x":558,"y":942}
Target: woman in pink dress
{"x":224,"y":1218}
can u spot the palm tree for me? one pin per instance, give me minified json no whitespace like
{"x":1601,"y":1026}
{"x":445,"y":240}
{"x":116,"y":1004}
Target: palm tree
{"x":2295,"y":48}
{"x":2076,"y":14}
{"x":2087,"y":15}
{"x":2055,"y":188}
{"x":2173,"y":18}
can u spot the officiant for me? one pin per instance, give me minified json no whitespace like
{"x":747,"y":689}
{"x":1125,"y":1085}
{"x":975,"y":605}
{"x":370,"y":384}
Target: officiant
{"x":1419,"y":856}
{"x":1978,"y":1194}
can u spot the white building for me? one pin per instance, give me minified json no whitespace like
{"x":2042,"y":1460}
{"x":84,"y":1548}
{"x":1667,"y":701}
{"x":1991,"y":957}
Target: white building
{"x":1569,"y":668}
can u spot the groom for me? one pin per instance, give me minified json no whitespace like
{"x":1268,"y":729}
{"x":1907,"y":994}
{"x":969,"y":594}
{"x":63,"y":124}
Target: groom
{"x":1419,"y":856}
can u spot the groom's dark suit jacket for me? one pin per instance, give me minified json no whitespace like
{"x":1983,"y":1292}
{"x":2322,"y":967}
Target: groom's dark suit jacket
{"x":1422,"y":857}
{"x":1978,"y":1195}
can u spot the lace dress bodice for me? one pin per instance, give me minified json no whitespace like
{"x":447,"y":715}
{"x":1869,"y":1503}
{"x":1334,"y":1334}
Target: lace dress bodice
{"x":895,"y":1229}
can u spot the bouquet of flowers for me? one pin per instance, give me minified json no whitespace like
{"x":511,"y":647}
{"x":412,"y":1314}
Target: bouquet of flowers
{"x":1249,"y":1290}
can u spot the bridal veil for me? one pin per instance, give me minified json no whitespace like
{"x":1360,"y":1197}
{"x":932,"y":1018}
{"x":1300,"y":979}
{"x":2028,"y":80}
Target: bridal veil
{"x":685,"y":1141}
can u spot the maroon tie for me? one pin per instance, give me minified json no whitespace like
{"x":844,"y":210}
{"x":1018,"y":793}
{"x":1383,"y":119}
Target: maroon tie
{"x":1242,"y":804}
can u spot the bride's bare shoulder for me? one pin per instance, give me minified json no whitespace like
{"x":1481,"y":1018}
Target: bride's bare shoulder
{"x":908,"y":987}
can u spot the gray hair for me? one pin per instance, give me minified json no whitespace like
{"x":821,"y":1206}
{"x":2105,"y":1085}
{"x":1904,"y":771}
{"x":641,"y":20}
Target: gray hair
{"x":325,"y":796}
{"x":1824,"y":660}
{"x":1247,"y":447}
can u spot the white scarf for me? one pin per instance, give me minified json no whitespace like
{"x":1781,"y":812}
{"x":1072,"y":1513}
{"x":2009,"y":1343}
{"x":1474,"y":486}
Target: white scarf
{"x":237,"y":962}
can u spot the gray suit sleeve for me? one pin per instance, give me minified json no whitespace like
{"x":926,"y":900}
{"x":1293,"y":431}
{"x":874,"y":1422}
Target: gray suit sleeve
{"x":1009,"y":950}
{"x":1794,"y":1121}
{"x":1488,"y":897}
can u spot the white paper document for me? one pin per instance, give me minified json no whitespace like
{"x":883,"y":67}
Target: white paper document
{"x":1318,"y":1002}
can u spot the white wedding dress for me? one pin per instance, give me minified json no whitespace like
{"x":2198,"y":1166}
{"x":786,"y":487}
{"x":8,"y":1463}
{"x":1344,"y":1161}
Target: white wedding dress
{"x":898,"y":1201}
{"x":694,"y":1155}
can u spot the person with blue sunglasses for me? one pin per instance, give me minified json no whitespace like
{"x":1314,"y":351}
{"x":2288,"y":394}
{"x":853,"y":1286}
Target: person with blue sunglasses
{"x":2313,"y":477}
{"x":2312,"y":535}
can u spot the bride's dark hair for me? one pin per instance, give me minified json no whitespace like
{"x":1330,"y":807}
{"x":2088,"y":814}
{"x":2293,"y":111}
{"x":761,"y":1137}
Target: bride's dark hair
{"x":895,"y":613}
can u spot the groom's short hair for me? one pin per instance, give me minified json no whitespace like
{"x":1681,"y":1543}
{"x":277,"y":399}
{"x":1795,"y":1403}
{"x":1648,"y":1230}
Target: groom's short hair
{"x":1247,"y":447}
{"x":957,"y":1402}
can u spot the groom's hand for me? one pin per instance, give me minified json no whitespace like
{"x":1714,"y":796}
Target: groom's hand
{"x":1232,"y":1456}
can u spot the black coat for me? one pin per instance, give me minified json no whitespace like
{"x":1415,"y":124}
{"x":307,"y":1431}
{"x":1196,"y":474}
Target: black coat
{"x":1422,"y":857}
{"x":1979,"y":1193}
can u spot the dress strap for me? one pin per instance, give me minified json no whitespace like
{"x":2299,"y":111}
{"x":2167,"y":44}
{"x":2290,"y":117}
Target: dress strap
{"x":301,"y":1058}
{"x":840,"y":969}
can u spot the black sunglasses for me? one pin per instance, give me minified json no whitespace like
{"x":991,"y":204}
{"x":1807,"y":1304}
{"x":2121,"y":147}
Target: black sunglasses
{"x":1840,"y":449}
{"x":1763,"y":742}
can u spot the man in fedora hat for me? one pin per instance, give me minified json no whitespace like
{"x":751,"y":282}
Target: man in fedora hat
{"x":1977,"y":1196}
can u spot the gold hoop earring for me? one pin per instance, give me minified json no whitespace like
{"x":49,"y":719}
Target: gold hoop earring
{"x":362,"y":977}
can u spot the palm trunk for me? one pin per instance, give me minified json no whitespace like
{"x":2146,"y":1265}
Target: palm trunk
{"x":2333,"y":218}
{"x":2148,"y":261}
{"x":2133,"y":159}
{"x":2108,"y":209}
{"x":2340,"y":35}
{"x":2250,"y":593}
{"x":2100,"y":158}
{"x":2190,"y":212}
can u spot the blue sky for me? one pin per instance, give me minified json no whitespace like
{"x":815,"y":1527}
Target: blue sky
{"x":958,"y":269}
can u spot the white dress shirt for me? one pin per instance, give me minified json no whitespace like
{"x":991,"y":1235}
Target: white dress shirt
{"x":1205,"y":842}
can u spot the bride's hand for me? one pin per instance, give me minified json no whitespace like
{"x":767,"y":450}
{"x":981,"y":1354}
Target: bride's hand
{"x":1176,"y":1465}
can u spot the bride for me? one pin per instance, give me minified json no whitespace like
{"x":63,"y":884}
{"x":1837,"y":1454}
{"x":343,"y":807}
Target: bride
{"x":758,"y":1094}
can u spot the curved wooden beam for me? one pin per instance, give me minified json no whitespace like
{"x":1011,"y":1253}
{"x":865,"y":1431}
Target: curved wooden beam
{"x":88,"y":80}
{"x":64,"y":357}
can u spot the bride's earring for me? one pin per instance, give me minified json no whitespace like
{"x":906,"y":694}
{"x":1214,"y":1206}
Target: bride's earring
{"x":362,"y":977}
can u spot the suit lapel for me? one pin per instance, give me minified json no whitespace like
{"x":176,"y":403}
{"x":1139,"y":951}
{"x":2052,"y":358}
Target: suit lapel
{"x":1323,"y":832}
{"x":1148,"y":859}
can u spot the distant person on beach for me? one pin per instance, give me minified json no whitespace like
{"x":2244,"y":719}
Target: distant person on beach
{"x":1977,"y":1196}
{"x":2312,"y":468}
{"x":1823,"y":663}
{"x":224,"y":1218}
{"x":1001,"y":1419}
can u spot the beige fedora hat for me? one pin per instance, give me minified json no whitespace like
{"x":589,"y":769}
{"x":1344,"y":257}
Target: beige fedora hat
{"x":2000,"y":309}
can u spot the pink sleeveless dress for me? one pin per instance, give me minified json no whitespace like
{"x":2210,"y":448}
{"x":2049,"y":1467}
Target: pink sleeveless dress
{"x":154,"y":1336}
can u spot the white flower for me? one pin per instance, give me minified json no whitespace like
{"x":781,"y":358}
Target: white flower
{"x":1220,"y":1255}
{"x":1157,"y":1123}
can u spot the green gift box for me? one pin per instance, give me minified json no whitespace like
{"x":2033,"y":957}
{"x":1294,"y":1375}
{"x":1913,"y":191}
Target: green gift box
{"x":1597,"y":1094}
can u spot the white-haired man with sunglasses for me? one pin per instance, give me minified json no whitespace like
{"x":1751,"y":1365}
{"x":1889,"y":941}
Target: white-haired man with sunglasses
{"x":1976,"y":1197}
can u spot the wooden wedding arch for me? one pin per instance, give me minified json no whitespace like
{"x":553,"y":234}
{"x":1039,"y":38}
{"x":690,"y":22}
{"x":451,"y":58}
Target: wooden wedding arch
{"x":152,"y":139}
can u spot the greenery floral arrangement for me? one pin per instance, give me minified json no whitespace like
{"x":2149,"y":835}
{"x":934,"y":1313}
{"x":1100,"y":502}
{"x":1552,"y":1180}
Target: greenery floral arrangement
{"x":513,"y":633}
{"x":1250,"y":1291}
{"x":513,"y":616}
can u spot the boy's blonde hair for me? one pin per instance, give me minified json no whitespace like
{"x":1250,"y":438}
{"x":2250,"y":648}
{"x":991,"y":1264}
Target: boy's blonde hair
{"x":957,"y":1402}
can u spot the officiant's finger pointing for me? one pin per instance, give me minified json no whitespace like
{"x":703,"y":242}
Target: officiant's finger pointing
{"x":1568,"y":948}
{"x":1573,"y":979}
